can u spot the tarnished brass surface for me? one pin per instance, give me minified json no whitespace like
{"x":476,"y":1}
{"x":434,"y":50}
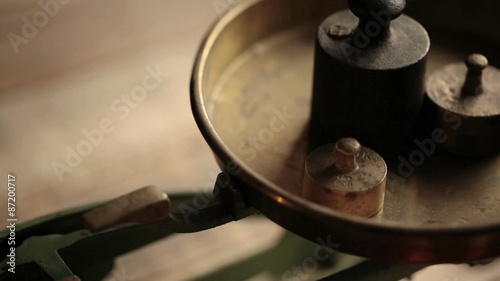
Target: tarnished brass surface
{"x":251,"y":94}
{"x":346,"y":177}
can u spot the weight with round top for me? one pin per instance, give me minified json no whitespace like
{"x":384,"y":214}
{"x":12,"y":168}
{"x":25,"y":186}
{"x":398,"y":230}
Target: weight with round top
{"x":346,"y":177}
{"x":467,"y":98}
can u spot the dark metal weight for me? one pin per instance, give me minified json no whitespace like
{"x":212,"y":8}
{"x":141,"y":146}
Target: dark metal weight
{"x":467,"y":98}
{"x":368,"y":76}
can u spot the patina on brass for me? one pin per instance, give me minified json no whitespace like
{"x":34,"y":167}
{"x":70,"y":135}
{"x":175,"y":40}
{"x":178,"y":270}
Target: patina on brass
{"x":467,"y":97}
{"x":346,"y":177}
{"x":251,"y":97}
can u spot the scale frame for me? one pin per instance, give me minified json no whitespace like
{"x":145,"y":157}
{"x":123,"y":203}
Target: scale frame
{"x":267,"y":46}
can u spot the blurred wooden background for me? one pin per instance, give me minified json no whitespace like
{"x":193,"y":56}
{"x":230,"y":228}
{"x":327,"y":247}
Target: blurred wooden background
{"x":64,"y":80}
{"x":66,"y":73}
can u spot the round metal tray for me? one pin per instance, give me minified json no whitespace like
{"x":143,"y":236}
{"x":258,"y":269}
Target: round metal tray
{"x":251,"y":94}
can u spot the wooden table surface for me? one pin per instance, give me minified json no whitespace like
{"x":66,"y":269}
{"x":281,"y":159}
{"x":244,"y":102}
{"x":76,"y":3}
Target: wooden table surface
{"x":67,"y":79}
{"x":72,"y":132}
{"x":60,"y":80}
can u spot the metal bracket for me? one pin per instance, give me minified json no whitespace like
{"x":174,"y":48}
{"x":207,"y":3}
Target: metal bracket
{"x":51,"y":251}
{"x":231,"y":197}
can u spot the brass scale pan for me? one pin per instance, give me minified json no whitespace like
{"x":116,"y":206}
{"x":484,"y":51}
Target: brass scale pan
{"x":254,"y":68}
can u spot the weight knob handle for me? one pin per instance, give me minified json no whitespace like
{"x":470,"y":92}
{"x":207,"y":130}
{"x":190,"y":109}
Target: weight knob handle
{"x":377,"y":11}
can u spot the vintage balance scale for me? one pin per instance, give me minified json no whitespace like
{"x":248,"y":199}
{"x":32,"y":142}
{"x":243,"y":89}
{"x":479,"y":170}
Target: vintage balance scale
{"x":366,"y":129}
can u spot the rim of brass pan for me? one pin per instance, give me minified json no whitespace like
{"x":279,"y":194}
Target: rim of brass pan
{"x":249,"y":24}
